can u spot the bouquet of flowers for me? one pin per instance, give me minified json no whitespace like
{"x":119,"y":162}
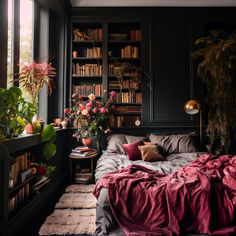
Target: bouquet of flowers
{"x":91,"y":116}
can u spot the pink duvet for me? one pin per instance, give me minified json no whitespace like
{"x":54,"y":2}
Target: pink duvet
{"x":200,"y":197}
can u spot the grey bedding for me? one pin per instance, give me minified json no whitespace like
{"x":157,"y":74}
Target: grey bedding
{"x":112,"y":161}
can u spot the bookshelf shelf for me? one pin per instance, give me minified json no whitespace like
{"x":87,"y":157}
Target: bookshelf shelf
{"x":87,"y":41}
{"x":125,"y":41}
{"x":124,"y":58}
{"x":127,"y":104}
{"x":87,"y":58}
{"x":87,"y":76}
{"x":19,"y":186}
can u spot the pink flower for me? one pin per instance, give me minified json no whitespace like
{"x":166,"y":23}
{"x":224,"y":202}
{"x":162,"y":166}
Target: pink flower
{"x":78,"y":112}
{"x":95,"y":110}
{"x":84,"y":112}
{"x":91,"y":97}
{"x":107,"y":131}
{"x":74,"y":135}
{"x":103,"y":110}
{"x":73,"y":95}
{"x":113,"y":106}
{"x":73,"y":100}
{"x":89,"y":104}
{"x":113,"y":93}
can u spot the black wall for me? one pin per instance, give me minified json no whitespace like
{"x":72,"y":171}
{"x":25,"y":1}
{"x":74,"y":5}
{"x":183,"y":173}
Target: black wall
{"x":167,"y":44}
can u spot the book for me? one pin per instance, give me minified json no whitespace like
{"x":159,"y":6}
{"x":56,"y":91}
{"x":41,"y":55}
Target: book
{"x":83,"y":178}
{"x":43,"y":179}
{"x":83,"y":154}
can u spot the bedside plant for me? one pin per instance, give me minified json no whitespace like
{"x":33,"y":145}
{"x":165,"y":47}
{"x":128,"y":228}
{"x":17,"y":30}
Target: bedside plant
{"x":15,"y":113}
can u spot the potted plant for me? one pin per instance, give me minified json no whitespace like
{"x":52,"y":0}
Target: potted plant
{"x":90,"y":117}
{"x":217,"y":69}
{"x":15,"y":113}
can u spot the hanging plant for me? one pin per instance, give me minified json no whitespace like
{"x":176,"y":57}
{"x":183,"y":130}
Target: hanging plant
{"x":217,"y":69}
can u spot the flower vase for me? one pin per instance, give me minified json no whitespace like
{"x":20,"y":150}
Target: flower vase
{"x":87,"y":141}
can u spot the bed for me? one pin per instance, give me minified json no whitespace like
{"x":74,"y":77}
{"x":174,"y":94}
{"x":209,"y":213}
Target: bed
{"x":179,"y":151}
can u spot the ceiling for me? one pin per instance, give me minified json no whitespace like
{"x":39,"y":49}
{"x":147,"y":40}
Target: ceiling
{"x":151,"y":3}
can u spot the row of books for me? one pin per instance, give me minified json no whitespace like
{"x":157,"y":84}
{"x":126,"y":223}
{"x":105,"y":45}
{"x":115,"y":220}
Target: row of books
{"x":126,"y":109}
{"x":113,"y":70}
{"x":95,"y":52}
{"x":128,"y":97}
{"x":18,"y":167}
{"x":86,"y":69}
{"x":86,"y":90}
{"x":133,"y":35}
{"x":123,"y":121}
{"x":90,"y":34}
{"x":20,"y":196}
{"x":126,"y":84}
{"x":129,"y":52}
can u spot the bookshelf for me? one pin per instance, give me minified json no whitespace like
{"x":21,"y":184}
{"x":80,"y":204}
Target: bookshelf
{"x":87,"y":58}
{"x":95,"y":52}
{"x":19,"y":199}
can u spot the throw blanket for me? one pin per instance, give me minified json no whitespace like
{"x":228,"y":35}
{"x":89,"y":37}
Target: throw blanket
{"x":200,"y":197}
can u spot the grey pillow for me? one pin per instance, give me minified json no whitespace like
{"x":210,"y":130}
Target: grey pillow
{"x":115,"y":142}
{"x":176,"y":143}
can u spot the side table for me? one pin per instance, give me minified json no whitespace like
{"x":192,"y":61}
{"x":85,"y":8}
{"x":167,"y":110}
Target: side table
{"x":91,"y":157}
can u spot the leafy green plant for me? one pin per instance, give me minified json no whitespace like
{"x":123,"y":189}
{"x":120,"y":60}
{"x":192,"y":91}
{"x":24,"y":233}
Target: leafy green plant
{"x":15,"y":113}
{"x":217,"y":69}
{"x":49,"y":136}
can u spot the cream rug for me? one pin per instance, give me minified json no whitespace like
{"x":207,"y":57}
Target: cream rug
{"x":75,"y":213}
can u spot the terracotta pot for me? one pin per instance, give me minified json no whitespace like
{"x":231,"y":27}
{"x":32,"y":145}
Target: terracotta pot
{"x":87,"y":141}
{"x":29,"y":128}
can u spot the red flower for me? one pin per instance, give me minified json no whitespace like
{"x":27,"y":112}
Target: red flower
{"x":67,"y":111}
{"x":41,"y":170}
{"x":80,"y":97}
{"x":82,"y":108}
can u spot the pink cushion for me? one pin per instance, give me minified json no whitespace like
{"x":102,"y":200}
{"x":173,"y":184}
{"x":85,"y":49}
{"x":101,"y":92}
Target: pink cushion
{"x":133,"y":151}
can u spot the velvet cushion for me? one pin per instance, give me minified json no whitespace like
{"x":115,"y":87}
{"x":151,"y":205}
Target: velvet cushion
{"x":133,"y":151}
{"x":115,"y":142}
{"x":176,"y":143}
{"x":151,"y":153}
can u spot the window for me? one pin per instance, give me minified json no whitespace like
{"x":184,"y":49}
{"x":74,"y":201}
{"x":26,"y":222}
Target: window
{"x":9,"y":51}
{"x":20,"y":35}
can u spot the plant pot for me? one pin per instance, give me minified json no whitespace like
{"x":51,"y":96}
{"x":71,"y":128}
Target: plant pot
{"x":29,"y":128}
{"x":87,"y":141}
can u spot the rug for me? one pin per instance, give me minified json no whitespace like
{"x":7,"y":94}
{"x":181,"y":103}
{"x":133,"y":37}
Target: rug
{"x":74,"y":214}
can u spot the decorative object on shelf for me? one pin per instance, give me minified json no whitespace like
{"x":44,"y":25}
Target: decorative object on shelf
{"x":87,"y":141}
{"x":75,"y":54}
{"x":64,"y":123}
{"x":217,"y":69}
{"x":34,"y":76}
{"x":49,"y":136}
{"x":137,"y":122}
{"x":15,"y":113}
{"x":57,"y":121}
{"x":91,"y":116}
{"x":193,"y":107}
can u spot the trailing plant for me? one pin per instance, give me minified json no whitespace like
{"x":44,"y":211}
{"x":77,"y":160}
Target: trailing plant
{"x":15,"y":113}
{"x":49,"y":136}
{"x":217,"y":69}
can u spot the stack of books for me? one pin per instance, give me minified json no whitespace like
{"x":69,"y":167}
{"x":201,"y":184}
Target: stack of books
{"x":82,"y":151}
{"x":83,"y":178}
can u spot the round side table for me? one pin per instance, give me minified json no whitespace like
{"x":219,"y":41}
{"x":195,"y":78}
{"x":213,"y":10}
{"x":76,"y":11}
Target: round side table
{"x":75,"y":157}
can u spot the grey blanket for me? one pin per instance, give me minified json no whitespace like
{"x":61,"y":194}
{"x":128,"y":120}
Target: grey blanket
{"x":109,"y":162}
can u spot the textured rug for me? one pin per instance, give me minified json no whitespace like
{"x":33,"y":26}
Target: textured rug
{"x":75,"y":213}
